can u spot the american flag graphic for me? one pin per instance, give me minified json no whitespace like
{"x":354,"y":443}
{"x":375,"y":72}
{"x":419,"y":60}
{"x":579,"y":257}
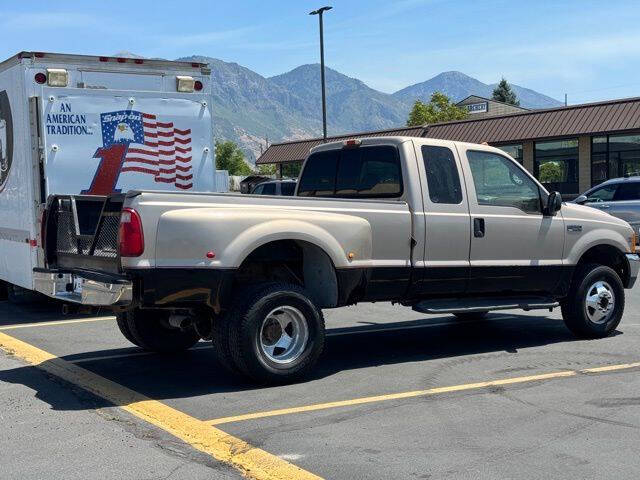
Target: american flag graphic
{"x":153,"y":147}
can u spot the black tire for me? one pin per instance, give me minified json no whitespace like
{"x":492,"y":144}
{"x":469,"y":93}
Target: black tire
{"x":245,"y":323}
{"x":150,"y":330}
{"x":575,"y":310}
{"x":470,"y":316}
{"x":121,"y":320}
{"x":220,"y":340}
{"x":22,"y":296}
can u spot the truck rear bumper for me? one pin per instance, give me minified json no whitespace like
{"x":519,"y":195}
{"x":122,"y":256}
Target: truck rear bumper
{"x":633,"y":259}
{"x":87,"y":288}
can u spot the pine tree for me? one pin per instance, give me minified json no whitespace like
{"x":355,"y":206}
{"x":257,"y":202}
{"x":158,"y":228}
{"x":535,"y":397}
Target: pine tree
{"x":503,"y":93}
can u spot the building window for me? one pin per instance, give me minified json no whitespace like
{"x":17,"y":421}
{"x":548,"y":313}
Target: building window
{"x":614,"y":156}
{"x":556,"y":165}
{"x":599,"y":160}
{"x":514,"y":150}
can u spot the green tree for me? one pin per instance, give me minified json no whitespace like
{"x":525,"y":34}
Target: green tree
{"x":230,"y":157}
{"x":267,"y":169}
{"x":550,"y":172}
{"x":503,"y":93}
{"x":439,"y":109}
{"x":291,"y":170}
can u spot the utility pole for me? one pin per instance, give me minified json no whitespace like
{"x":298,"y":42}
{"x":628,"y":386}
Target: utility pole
{"x":319,"y":12}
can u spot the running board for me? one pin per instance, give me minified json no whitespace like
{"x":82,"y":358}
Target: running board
{"x":467,"y":305}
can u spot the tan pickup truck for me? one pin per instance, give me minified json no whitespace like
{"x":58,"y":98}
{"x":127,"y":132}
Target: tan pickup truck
{"x":444,"y":227}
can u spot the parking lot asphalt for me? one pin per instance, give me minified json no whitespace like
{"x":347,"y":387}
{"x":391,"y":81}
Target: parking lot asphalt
{"x":397,"y":394}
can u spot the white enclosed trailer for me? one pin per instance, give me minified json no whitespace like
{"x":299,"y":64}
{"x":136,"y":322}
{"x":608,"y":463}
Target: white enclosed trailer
{"x":74,"y":124}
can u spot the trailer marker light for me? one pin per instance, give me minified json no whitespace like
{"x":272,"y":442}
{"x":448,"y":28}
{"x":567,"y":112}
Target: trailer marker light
{"x":211,"y":254}
{"x":57,"y":77}
{"x":121,"y":60}
{"x":40,"y":78}
{"x":197,"y":85}
{"x":103,"y":59}
{"x":185,"y":83}
{"x":139,"y":61}
{"x":130,"y":234}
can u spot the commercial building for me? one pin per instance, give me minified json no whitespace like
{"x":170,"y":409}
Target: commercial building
{"x":569,"y":148}
{"x":480,"y":107}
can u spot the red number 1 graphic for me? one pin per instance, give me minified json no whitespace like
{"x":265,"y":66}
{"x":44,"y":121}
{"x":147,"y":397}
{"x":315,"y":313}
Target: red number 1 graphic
{"x":106,"y":177}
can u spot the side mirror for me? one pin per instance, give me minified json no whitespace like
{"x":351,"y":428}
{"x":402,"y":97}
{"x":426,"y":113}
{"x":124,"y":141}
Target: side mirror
{"x":581,"y":199}
{"x":554,"y":203}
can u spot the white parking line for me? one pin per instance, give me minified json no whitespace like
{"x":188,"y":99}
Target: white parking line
{"x":55,"y":322}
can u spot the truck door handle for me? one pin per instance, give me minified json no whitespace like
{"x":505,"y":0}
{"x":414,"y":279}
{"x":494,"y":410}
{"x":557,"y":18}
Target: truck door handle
{"x":605,"y":206}
{"x":478,"y":227}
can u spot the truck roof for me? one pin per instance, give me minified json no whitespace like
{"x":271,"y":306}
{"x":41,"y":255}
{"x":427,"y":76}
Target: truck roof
{"x":113,"y":61}
{"x":397,"y":139}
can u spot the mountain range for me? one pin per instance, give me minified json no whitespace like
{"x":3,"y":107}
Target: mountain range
{"x":251,"y":109}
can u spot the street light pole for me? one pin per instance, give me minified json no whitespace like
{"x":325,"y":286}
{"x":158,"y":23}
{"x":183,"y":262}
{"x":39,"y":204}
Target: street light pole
{"x":319,"y":12}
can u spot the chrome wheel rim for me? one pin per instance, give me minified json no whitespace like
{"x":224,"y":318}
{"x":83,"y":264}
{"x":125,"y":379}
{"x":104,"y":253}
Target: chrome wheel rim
{"x":284,"y":334}
{"x":600,"y":302}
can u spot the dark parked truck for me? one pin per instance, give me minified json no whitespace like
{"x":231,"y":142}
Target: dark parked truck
{"x":441,"y":226}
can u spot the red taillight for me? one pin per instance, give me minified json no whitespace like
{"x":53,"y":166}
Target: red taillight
{"x":40,"y":78}
{"x":197,"y":85}
{"x":121,"y":60}
{"x":130,"y":234}
{"x":103,"y":59}
{"x":139,"y":61}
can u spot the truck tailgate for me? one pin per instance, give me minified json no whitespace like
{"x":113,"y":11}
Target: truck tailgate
{"x":81,"y":232}
{"x":80,"y":240}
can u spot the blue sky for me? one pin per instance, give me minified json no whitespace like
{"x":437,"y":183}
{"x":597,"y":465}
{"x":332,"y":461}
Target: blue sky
{"x":588,"y":49}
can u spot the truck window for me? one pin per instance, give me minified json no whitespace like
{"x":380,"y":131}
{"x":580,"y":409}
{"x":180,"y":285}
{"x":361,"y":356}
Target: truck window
{"x":442,"y":175}
{"x":602,"y":194}
{"x":258,"y":190}
{"x":287,"y":188}
{"x":500,"y":183}
{"x":628,"y":191}
{"x":319,"y":175}
{"x":269,"y":189}
{"x":364,"y":172}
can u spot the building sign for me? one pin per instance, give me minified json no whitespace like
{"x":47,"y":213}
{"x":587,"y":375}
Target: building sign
{"x":482,"y":107}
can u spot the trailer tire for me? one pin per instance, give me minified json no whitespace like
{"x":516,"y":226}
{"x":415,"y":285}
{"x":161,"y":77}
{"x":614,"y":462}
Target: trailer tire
{"x":150,"y":330}
{"x":595,"y":303}
{"x":277,"y":333}
{"x":22,"y":296}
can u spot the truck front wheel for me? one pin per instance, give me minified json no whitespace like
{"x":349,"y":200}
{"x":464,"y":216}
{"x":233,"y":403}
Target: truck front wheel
{"x":276,"y":333}
{"x":595,"y":304}
{"x":150,"y":329}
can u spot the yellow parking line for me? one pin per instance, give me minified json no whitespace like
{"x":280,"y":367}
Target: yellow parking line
{"x":251,"y":461}
{"x":419,"y":393}
{"x":611,"y":368}
{"x":54,"y":323}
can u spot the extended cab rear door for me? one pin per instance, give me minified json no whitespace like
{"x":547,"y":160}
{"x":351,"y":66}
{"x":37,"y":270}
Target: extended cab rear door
{"x":515,"y":249}
{"x":446,"y":212}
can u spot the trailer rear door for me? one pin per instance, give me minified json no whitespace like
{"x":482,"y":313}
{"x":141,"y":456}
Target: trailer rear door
{"x":98,"y":142}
